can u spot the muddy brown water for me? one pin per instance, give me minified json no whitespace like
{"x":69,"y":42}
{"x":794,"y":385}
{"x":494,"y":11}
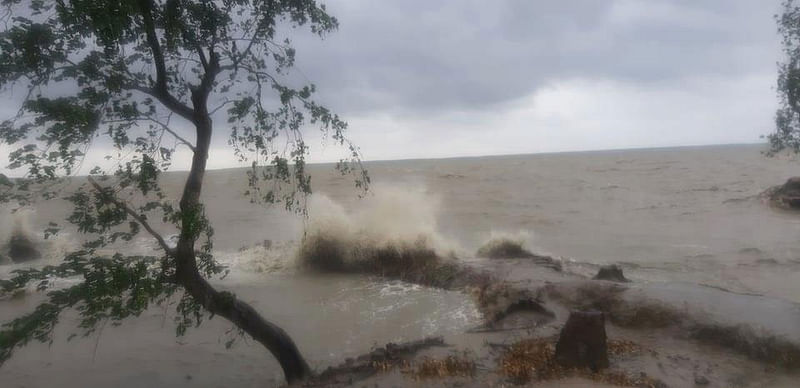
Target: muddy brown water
{"x":668,"y":216}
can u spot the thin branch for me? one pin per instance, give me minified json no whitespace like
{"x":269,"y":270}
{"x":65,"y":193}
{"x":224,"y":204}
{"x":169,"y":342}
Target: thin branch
{"x":165,"y":98}
{"x":141,"y":220}
{"x":97,"y":341}
{"x":227,"y":101}
{"x":163,"y":125}
{"x":166,"y":127}
{"x":246,"y":52}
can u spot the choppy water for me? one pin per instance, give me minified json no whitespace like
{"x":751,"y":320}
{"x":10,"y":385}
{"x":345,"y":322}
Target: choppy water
{"x":682,"y":214}
{"x":668,"y":215}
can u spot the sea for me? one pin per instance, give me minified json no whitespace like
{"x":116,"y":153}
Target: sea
{"x":686,"y":215}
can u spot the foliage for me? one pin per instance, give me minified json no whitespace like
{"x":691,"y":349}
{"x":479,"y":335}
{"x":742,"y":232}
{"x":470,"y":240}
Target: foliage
{"x":787,"y":117}
{"x":136,"y":75}
{"x":112,"y":288}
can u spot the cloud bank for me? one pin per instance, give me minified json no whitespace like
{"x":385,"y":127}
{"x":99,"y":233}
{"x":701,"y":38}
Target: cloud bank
{"x":436,"y":78}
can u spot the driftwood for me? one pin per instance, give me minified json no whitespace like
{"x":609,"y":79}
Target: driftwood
{"x":379,"y":360}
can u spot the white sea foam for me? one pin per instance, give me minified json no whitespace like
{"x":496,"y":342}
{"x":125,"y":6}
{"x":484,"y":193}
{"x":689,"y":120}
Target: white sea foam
{"x":391,"y":217}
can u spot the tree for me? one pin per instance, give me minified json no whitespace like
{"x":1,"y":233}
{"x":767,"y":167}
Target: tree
{"x":787,"y":117}
{"x":131,"y":73}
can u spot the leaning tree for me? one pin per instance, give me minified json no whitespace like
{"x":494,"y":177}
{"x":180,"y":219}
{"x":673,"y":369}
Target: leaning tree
{"x":144,"y":78}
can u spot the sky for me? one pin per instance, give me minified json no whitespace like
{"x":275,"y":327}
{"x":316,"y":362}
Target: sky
{"x":434,"y":78}
{"x":442,"y":78}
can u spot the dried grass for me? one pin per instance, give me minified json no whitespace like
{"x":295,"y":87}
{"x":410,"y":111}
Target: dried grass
{"x":451,"y":366}
{"x":623,"y":347}
{"x":534,"y":360}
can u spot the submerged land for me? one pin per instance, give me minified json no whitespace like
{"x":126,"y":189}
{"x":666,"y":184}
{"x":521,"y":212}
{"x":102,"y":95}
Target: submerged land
{"x":462,"y":272}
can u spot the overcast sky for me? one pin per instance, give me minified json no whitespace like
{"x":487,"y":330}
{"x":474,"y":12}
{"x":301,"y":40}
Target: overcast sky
{"x":442,"y":78}
{"x":434,"y":78}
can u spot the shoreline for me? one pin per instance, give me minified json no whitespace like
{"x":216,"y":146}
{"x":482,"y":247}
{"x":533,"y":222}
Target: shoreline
{"x":697,"y":258}
{"x":664,"y":327}
{"x":658,"y":332}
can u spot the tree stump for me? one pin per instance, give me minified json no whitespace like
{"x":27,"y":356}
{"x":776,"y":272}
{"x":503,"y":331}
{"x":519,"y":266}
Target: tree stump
{"x":582,"y":342}
{"x":611,"y":273}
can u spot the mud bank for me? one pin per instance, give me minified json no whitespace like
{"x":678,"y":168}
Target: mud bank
{"x":660,"y":336}
{"x":418,"y":263}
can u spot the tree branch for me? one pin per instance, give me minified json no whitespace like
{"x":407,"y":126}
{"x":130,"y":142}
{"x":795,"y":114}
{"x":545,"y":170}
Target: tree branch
{"x":160,"y":91}
{"x":163,"y":125}
{"x":138,"y":217}
{"x":222,"y":105}
{"x":259,"y":26}
{"x":180,"y":139}
{"x":202,"y":55}
{"x":207,"y":82}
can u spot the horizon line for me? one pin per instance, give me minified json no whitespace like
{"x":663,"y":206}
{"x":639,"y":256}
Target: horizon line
{"x":578,"y":151}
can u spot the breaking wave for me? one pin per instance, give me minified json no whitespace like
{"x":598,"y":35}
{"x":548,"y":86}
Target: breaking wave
{"x":19,"y":224}
{"x":263,"y":258}
{"x":391,"y":224}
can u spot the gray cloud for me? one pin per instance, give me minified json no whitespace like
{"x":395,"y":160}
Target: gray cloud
{"x":417,"y":56}
{"x":436,"y":78}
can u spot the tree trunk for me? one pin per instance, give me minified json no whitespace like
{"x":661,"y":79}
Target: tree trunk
{"x":247,"y":318}
{"x":223,"y":303}
{"x":187,"y":274}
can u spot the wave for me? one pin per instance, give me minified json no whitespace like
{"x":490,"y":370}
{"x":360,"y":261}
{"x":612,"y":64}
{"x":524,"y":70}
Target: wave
{"x":392,"y":223}
{"x":21,"y":243}
{"x":264,"y":258}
